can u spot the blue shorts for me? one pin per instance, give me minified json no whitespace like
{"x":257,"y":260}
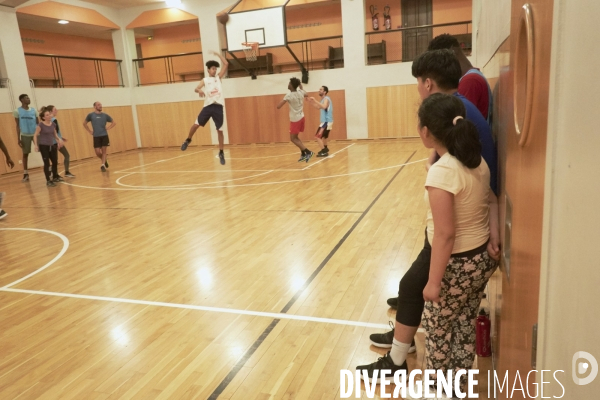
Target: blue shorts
{"x":214,"y":111}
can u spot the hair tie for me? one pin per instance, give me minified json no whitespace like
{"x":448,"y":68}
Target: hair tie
{"x":455,"y":120}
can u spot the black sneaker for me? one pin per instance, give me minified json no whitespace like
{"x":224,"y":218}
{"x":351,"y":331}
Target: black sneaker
{"x":3,"y":214}
{"x":102,"y":168}
{"x":308,"y":156}
{"x":50,"y":184}
{"x":393,"y":302}
{"x":25,"y":178}
{"x":222,"y":158}
{"x":385,"y":340}
{"x":383,"y":363}
{"x":58,"y":179}
{"x":185,"y":145}
{"x":69,"y":175}
{"x":106,"y":163}
{"x":322,"y":154}
{"x":302,"y":157}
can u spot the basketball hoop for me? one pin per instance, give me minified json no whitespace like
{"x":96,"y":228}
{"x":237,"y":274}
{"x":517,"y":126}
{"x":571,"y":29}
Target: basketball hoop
{"x":250,"y":50}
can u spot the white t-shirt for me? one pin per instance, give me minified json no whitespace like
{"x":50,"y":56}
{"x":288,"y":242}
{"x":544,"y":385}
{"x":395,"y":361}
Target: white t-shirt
{"x":296,"y":103}
{"x":471,"y":188}
{"x":213,"y":91}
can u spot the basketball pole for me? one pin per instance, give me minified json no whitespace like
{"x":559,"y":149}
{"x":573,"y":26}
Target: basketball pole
{"x":251,"y":73}
{"x":304,"y":70}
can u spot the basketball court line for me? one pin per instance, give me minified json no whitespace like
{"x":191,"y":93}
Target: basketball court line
{"x":118,"y":181}
{"x":7,"y":288}
{"x":247,"y":184}
{"x":167,"y":159}
{"x":242,"y":361}
{"x":325,"y":158}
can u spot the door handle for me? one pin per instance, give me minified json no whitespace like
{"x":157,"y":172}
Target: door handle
{"x":524,"y":75}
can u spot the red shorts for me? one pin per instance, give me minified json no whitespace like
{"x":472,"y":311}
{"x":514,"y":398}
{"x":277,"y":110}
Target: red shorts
{"x":297,"y":127}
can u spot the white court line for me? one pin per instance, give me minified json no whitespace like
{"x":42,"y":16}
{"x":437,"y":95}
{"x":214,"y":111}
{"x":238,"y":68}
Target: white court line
{"x":254,"y":158}
{"x":62,"y":251}
{"x":252,"y":184}
{"x":325,"y":158}
{"x":118,"y":182}
{"x":167,"y":159}
{"x":203,"y":308}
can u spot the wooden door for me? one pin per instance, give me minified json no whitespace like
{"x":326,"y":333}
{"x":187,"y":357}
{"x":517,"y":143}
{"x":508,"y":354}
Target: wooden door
{"x":415,"y":41}
{"x":522,"y":166}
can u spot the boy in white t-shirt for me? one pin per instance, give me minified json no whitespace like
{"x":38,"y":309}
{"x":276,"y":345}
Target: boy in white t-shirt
{"x":295,"y":99}
{"x":210,"y":88}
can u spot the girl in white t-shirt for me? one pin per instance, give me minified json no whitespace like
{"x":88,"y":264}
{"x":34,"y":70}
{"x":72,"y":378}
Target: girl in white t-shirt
{"x":458,"y":227}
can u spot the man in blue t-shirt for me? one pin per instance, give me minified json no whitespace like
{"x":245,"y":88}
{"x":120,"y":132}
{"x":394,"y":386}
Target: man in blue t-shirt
{"x":437,"y":71}
{"x":26,"y":119}
{"x":99,"y":132}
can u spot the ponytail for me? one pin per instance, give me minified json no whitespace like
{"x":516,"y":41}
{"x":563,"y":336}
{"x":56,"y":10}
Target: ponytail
{"x":443,"y":115}
{"x":462,"y":141}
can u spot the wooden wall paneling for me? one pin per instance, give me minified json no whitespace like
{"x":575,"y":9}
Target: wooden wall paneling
{"x":122,"y":136}
{"x":524,"y":168}
{"x":257,"y":120}
{"x":392,"y":111}
{"x":168,"y":124}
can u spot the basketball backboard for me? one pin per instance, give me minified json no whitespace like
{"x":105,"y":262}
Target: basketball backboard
{"x":265,"y":26}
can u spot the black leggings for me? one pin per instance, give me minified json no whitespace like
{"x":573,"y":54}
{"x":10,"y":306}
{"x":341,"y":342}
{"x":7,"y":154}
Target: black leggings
{"x":63,"y":150}
{"x":49,"y":154}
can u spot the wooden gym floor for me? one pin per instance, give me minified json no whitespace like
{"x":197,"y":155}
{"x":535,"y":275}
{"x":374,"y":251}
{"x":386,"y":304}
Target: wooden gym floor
{"x":173,"y":277}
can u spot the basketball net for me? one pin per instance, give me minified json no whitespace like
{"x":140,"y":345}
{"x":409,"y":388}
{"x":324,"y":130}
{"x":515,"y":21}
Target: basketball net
{"x":250,"y":50}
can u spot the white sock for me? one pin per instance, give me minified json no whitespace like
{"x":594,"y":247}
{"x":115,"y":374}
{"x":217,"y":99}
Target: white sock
{"x":399,"y":352}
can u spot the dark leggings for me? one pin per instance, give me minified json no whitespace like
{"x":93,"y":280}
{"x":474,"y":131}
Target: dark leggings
{"x":412,"y":284}
{"x":49,"y":154}
{"x":63,"y":150}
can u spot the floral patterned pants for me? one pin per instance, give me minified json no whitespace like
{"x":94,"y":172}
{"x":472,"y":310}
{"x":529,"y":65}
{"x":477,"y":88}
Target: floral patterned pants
{"x":450,"y":324}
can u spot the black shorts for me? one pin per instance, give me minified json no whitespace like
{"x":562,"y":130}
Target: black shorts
{"x":323,"y":130}
{"x":214,"y":111}
{"x":101,"y":141}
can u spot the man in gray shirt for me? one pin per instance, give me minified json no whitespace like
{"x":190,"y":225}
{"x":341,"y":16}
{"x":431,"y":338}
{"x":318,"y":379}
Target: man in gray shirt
{"x":100,"y":132}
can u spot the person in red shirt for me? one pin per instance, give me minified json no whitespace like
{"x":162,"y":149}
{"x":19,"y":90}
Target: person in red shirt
{"x":473,"y":84}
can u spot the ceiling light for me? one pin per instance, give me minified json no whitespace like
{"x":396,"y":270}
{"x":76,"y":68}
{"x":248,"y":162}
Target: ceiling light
{"x":173,"y":3}
{"x":63,"y":22}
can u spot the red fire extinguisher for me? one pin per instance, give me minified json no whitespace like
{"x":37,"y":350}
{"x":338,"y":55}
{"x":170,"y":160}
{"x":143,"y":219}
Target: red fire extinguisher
{"x":387,"y":20}
{"x":374,"y":18}
{"x":483,"y":333}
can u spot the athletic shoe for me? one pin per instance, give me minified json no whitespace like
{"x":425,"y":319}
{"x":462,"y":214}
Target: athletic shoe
{"x":25,"y":178}
{"x":3,"y":214}
{"x":308,"y":156}
{"x":322,"y":154}
{"x":393,"y":302}
{"x":385,"y":340}
{"x":106,"y":163}
{"x":58,"y":179}
{"x":302,"y":158}
{"x":50,"y":184}
{"x":102,"y":168}
{"x":383,"y":363}
{"x":69,"y":175}
{"x":222,"y":158}
{"x":185,"y":145}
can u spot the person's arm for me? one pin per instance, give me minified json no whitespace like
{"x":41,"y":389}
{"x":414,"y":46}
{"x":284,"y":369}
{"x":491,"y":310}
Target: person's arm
{"x":442,"y":210}
{"x":493,"y":247}
{"x":9,"y":162}
{"x":224,"y":65}
{"x":85,"y":125}
{"x":319,"y":105}
{"x":199,"y":88}
{"x":35,"y":137}
{"x":281,"y":103}
{"x":58,"y":139}
{"x":112,"y":123}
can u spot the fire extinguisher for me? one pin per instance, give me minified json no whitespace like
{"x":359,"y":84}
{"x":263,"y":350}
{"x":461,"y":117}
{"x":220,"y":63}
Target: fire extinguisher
{"x":374,"y":18}
{"x":387,"y":20}
{"x":483,"y":333}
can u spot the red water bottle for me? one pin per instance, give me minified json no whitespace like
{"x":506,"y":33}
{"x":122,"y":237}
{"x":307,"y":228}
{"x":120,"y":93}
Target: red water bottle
{"x":483,"y":334}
